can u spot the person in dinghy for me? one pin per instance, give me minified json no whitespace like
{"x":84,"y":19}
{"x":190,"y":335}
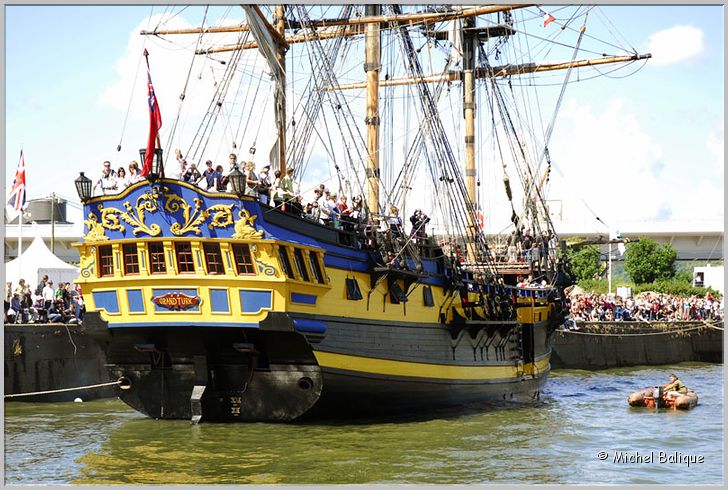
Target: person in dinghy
{"x":675,"y":387}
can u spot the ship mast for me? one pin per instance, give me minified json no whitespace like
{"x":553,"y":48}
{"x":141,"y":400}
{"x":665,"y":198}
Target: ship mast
{"x":372,"y":64}
{"x":280,"y":99}
{"x":469,"y":115}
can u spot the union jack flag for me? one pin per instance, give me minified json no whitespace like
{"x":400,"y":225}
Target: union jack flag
{"x":16,"y":194}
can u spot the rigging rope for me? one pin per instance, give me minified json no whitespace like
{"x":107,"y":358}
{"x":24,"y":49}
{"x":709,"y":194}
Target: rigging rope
{"x":62,"y":390}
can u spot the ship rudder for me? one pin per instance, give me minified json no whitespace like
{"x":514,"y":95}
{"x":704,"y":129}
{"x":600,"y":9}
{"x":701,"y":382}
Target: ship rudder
{"x":214,"y":374}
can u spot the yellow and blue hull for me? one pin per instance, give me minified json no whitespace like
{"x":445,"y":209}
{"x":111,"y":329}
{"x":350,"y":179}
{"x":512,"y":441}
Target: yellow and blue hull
{"x":210,"y":307}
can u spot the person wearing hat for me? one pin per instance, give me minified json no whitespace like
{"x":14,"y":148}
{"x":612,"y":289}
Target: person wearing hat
{"x":107,"y":181}
{"x":675,"y":386}
{"x":209,"y":174}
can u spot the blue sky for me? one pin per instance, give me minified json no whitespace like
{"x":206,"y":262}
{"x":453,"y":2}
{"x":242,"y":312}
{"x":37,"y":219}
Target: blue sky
{"x":648,"y":147}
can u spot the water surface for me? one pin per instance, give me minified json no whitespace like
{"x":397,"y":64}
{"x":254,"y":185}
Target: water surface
{"x":554,"y":441}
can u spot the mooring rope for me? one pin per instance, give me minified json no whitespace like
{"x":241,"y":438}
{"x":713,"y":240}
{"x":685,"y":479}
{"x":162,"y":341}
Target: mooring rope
{"x":101,"y":385}
{"x":712,"y":325}
{"x":676,"y":330}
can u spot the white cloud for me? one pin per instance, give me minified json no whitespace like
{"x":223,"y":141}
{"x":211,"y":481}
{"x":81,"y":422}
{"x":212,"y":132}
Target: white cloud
{"x":606,"y":166}
{"x":675,"y":45}
{"x":170,"y":60}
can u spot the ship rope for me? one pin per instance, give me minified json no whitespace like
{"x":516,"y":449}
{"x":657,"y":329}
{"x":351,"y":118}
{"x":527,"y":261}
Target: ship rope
{"x":456,"y":202}
{"x":183,"y":94}
{"x":547,"y":138}
{"x":201,"y":139}
{"x":326,"y":84}
{"x":640,"y":334}
{"x":63,"y":390}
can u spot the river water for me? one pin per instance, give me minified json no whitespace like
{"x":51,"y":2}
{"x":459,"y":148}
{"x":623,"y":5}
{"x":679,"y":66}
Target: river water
{"x":555,"y":441}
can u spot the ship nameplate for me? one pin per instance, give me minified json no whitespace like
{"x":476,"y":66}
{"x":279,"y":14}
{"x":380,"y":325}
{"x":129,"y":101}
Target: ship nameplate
{"x":176,"y":301}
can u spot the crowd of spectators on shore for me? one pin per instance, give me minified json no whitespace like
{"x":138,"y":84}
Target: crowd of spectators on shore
{"x":44,"y":304}
{"x":647,"y":306}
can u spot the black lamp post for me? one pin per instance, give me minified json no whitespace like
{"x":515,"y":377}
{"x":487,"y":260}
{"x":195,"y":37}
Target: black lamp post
{"x":83,"y":187}
{"x":157,"y":170}
{"x":237,"y":181}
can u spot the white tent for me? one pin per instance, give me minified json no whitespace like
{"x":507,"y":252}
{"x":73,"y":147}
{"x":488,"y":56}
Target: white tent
{"x":36,"y":261}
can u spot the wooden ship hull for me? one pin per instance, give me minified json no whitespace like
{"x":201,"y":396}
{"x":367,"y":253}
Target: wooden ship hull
{"x":282,"y":317}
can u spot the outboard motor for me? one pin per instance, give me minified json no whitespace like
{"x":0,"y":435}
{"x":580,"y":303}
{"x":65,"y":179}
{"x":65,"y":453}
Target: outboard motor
{"x":657,"y":395}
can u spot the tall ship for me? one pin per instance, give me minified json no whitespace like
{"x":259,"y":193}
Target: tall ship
{"x":220,"y":305}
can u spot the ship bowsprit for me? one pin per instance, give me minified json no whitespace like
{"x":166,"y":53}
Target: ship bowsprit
{"x":222,"y":374}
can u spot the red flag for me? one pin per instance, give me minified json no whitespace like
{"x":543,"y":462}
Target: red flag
{"x":547,"y":19}
{"x":480,"y":219}
{"x":155,"y":122}
{"x":16,"y":194}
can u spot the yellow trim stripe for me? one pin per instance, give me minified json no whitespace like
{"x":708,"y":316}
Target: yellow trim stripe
{"x":422,"y":370}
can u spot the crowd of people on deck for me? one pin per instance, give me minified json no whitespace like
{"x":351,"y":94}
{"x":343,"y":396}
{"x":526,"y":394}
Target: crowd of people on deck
{"x":44,"y":304}
{"x":525,"y":246}
{"x":647,"y":306}
{"x":277,"y":190}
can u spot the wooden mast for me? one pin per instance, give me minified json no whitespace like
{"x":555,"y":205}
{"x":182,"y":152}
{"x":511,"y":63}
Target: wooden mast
{"x":371,"y":67}
{"x":469,"y":115}
{"x":280,"y":103}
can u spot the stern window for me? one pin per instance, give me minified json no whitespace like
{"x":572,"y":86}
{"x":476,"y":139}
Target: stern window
{"x":243,"y":259}
{"x":106,"y":261}
{"x":183,"y":250}
{"x":156,"y":258}
{"x":285,"y":262}
{"x":213,"y":258}
{"x":131,"y":258}
{"x":315,"y":267}
{"x":301,"y":264}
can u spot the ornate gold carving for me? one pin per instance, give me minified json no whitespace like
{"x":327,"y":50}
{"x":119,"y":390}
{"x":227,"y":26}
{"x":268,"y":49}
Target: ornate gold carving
{"x":223,"y":214}
{"x":88,"y":262}
{"x":111,"y":218}
{"x":144,"y":204}
{"x":95,"y":230}
{"x":244,"y":226}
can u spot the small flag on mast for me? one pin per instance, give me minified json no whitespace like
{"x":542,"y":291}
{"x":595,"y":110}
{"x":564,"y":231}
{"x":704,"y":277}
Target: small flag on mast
{"x":547,"y":19}
{"x":479,"y":218}
{"x":155,"y":122}
{"x":16,"y":194}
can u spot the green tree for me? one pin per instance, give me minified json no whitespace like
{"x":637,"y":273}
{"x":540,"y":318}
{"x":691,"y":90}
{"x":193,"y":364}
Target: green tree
{"x":585,"y":262}
{"x":647,"y":261}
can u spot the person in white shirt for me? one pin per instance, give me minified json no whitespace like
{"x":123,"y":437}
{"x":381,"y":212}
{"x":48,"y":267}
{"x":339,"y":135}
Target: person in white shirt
{"x":180,"y":168}
{"x":48,"y":294}
{"x":107,"y":181}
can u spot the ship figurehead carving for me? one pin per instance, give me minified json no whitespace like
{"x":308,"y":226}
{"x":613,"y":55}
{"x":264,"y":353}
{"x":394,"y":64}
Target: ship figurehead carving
{"x":95,"y":230}
{"x":244,"y":226}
